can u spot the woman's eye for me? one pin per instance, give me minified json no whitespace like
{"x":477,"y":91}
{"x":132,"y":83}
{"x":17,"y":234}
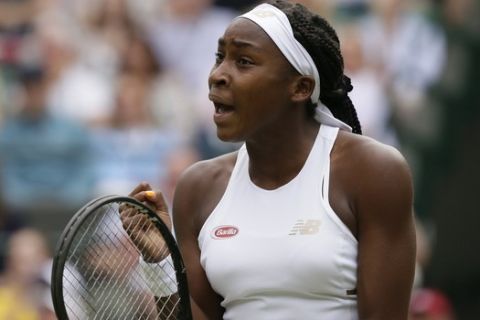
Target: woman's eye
{"x":219,"y":57}
{"x":244,"y":62}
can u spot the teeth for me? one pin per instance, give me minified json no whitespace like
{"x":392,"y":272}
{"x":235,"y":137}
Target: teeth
{"x":220,"y":108}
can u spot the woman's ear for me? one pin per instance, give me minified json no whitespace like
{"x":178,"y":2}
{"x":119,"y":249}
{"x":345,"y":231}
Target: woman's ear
{"x":303,"y":89}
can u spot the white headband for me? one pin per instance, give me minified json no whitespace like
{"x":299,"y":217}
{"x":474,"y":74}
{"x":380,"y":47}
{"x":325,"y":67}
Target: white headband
{"x":276,"y":24}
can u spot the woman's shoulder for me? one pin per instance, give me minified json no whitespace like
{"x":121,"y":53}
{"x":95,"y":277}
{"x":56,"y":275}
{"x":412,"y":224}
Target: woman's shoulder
{"x":201,"y":187}
{"x":368,"y":155}
{"x":209,"y":171}
{"x":367,"y":169}
{"x":375,"y":177}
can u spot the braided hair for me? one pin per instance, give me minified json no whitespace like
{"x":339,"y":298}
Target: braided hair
{"x":322,"y":43}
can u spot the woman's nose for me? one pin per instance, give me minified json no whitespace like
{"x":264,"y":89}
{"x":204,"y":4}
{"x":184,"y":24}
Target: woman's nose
{"x":218,"y":76}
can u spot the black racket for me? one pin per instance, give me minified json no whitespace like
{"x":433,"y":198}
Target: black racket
{"x":99,"y":273}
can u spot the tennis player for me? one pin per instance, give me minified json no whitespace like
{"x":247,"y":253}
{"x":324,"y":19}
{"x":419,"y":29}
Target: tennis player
{"x":309,"y":219}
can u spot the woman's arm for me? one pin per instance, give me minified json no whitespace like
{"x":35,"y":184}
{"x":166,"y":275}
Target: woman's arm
{"x":383,"y":204}
{"x":191,"y":206}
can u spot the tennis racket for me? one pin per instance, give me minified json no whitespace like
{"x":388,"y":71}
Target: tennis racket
{"x":99,"y":273}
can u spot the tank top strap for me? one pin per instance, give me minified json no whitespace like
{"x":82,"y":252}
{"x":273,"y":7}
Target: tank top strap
{"x":240,"y":164}
{"x":329,"y":135}
{"x":319,"y":157}
{"x":240,"y":175}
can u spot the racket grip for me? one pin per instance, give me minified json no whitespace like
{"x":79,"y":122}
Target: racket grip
{"x":160,"y":277}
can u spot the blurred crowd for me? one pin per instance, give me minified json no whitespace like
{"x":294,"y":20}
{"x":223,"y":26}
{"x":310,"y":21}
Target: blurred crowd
{"x":99,"y":95}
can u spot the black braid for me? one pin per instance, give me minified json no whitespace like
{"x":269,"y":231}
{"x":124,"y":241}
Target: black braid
{"x":322,"y":43}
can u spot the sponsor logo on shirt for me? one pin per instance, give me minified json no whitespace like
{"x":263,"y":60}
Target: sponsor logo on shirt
{"x":305,"y":227}
{"x":224,"y":232}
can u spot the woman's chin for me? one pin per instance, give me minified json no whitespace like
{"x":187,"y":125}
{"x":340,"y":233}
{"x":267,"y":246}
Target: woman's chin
{"x":228,"y":136}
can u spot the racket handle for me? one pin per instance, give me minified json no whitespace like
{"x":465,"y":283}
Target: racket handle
{"x":160,"y":276}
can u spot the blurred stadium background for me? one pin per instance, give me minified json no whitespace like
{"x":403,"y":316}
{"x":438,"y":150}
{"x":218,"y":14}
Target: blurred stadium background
{"x":98,"y":95}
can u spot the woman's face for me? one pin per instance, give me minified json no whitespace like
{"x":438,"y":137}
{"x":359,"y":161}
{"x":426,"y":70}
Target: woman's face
{"x":250,"y":83}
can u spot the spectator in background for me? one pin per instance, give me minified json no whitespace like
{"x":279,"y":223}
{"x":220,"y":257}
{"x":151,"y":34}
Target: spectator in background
{"x":176,"y":164}
{"x":430,"y":304}
{"x":369,"y":94}
{"x":108,"y":28}
{"x":392,"y":34}
{"x":44,"y":158}
{"x":76,"y":89}
{"x":184,"y":39}
{"x":351,"y":8}
{"x":172,"y":109}
{"x":408,"y":49}
{"x":44,"y":285}
{"x":322,"y":7}
{"x":20,"y":297}
{"x":3,"y":98}
{"x":238,"y":5}
{"x":450,"y":175}
{"x":15,"y":27}
{"x":15,"y":24}
{"x":427,"y":303}
{"x":129,"y":147}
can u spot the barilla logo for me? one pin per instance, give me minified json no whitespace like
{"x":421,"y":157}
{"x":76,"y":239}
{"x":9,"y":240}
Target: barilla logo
{"x":224,"y":232}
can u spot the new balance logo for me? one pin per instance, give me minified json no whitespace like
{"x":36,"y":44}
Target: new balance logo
{"x":305,"y":227}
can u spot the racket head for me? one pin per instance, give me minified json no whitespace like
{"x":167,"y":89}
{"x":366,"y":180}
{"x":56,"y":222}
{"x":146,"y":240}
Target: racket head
{"x":79,"y":245}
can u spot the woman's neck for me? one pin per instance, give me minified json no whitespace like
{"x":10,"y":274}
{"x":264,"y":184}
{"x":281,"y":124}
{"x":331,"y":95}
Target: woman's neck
{"x":277,"y":158}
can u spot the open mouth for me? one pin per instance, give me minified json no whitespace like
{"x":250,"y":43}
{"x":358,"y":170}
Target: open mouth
{"x":221,"y":108}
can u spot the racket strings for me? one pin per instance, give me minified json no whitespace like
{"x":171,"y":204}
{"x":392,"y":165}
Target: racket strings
{"x":148,"y":227}
{"x":93,"y":276}
{"x":73,"y":278}
{"x":109,"y":283}
{"x":103,"y":277}
{"x":115,"y":297}
{"x":168,"y":279}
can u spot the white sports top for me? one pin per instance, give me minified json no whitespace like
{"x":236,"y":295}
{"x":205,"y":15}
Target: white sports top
{"x":283,"y":253}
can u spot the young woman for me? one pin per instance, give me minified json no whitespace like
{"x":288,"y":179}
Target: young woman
{"x":307,"y":220}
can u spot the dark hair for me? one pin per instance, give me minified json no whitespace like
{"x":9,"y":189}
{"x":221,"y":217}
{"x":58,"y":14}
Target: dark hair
{"x":322,"y":43}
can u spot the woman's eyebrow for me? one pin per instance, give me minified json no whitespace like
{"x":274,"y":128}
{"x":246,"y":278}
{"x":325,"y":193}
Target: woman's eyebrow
{"x":238,"y":43}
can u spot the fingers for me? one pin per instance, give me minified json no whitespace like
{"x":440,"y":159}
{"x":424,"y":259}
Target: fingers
{"x":146,"y":237}
{"x":135,"y":223}
{"x":141,"y":187}
{"x":153,"y":199}
{"x":145,"y":194}
{"x":156,"y":197}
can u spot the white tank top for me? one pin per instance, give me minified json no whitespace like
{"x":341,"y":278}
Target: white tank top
{"x":283,"y":253}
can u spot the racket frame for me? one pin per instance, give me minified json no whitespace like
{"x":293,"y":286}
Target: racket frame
{"x":66,"y":240}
